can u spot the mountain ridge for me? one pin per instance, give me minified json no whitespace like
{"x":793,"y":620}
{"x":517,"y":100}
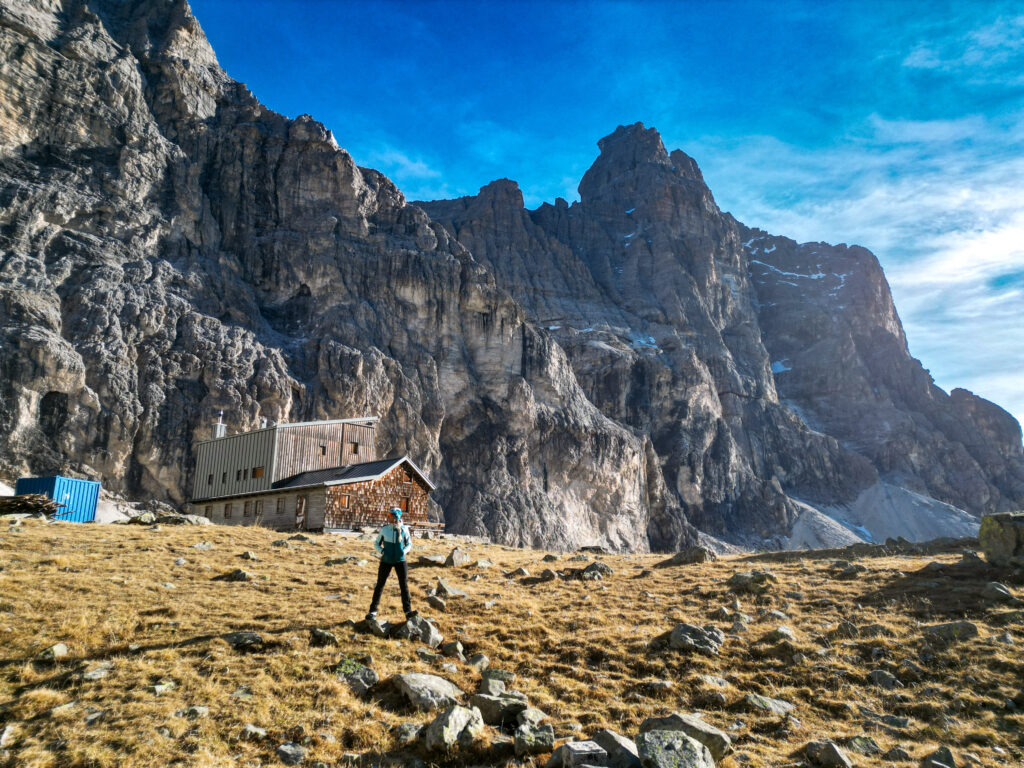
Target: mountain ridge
{"x":172,"y":248}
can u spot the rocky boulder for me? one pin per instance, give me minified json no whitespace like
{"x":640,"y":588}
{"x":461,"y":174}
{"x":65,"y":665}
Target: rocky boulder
{"x":716,"y":740}
{"x":672,"y":749}
{"x":456,"y":725}
{"x":1002,"y":538}
{"x":422,"y":691}
{"x":689,"y":556}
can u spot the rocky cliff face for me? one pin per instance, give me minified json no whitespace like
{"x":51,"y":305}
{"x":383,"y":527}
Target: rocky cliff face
{"x":773,"y":378}
{"x":594,"y":373}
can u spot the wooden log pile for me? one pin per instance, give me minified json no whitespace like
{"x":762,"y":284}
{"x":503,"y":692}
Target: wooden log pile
{"x":30,"y":504}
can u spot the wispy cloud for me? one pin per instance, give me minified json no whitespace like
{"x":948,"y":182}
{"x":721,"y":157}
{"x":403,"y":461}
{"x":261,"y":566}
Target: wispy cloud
{"x":982,"y":53}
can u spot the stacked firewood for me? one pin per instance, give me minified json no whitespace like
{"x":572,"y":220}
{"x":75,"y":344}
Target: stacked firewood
{"x":29,"y":504}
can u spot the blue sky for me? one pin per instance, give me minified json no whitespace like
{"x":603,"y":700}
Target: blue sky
{"x":896,"y":125}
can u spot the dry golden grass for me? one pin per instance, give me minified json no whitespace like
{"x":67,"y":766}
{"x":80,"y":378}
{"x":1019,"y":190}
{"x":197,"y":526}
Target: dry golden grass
{"x":579,"y":649}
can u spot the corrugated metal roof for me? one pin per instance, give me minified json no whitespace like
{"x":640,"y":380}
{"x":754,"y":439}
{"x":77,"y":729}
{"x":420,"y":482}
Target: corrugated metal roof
{"x":353,"y":473}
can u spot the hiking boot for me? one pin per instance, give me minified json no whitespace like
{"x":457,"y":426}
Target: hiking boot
{"x":411,"y":614}
{"x":371,"y":616}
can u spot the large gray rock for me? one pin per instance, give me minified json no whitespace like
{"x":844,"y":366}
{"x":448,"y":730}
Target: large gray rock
{"x":716,"y":740}
{"x":827,"y":754}
{"x":533,"y":739}
{"x":672,"y":749}
{"x":952,"y":631}
{"x":359,"y":677}
{"x":456,"y":558}
{"x":419,"y":629}
{"x":622,"y":752}
{"x":755,"y":702}
{"x":426,"y":692}
{"x":688,"y":637}
{"x":688,"y":556}
{"x":1002,"y":538}
{"x":574,"y":754}
{"x":456,"y":725}
{"x":498,"y":710}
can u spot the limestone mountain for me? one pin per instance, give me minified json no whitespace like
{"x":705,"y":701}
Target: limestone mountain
{"x":629,"y":370}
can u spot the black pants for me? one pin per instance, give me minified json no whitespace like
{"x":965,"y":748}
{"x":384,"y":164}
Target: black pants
{"x":403,"y":584}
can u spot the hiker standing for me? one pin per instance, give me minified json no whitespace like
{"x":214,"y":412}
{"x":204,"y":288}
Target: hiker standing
{"x":392,"y":543}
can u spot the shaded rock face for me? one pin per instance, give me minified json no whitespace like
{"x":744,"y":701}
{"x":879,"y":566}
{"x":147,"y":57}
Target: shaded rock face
{"x":764,"y":375}
{"x":170,"y":248}
{"x":599,"y":373}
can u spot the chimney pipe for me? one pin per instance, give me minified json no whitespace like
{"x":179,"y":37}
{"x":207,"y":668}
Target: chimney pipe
{"x":220,"y":429}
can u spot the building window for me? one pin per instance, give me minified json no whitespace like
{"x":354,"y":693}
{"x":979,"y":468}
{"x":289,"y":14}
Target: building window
{"x":323,"y":450}
{"x":344,"y":500}
{"x":257,"y":473}
{"x":247,"y":509}
{"x":209,"y":480}
{"x":245,"y":473}
{"x":238,"y":476}
{"x":259,"y":509}
{"x":227,"y":510}
{"x":353,"y":448}
{"x":223,"y":478}
{"x":280,"y":506}
{"x":208,"y":512}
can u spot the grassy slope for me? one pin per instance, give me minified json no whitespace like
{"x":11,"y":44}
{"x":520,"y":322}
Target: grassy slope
{"x":578,"y":648}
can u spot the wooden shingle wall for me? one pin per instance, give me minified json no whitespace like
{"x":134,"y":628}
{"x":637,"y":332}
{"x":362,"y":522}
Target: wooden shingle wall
{"x":368,"y":503}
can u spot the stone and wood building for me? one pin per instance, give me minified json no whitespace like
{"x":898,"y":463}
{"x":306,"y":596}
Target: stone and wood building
{"x":306,"y":476}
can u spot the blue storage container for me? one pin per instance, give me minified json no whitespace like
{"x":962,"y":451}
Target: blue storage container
{"x":79,"y":497}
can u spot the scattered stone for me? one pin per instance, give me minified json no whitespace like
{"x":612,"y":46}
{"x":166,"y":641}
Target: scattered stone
{"x":549,"y":558}
{"x":779,"y":634}
{"x":418,"y":628}
{"x":622,"y":752}
{"x":714,"y":680}
{"x":717,"y":741}
{"x":687,"y":637}
{"x":436,"y":603}
{"x":203,"y":546}
{"x":408,"y":734}
{"x":577,"y":753}
{"x":547,"y":575}
{"x":897,"y":755}
{"x":96,"y":716}
{"x":291,"y":753}
{"x":479,"y":662}
{"x":886,"y":680}
{"x":941,"y":757}
{"x":498,"y":710}
{"x":53,"y":653}
{"x":455,"y":725}
{"x":427,"y":692}
{"x":453,"y":650}
{"x":321,"y":638}
{"x":531,"y":715}
{"x":444,"y":589}
{"x":456,"y":558}
{"x":181,"y":561}
{"x":490,"y":686}
{"x":998,"y":593}
{"x":193,"y":713}
{"x":863,"y":745}
{"x":430,"y":561}
{"x":826,"y":754}
{"x":164,"y":686}
{"x":518,"y":573}
{"x":236,"y":575}
{"x":303,"y":538}
{"x":952,"y":631}
{"x":373,"y":627}
{"x":533,"y":739}
{"x":689,"y":556}
{"x":500,"y":674}
{"x":8,"y":735}
{"x":98,"y":672}
{"x":251,"y":733}
{"x":596,"y":570}
{"x":360,"y":677}
{"x":249,"y":555}
{"x":244,"y":641}
{"x":755,"y":702}
{"x":851,"y":571}
{"x":672,"y":749}
{"x":751,"y":582}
